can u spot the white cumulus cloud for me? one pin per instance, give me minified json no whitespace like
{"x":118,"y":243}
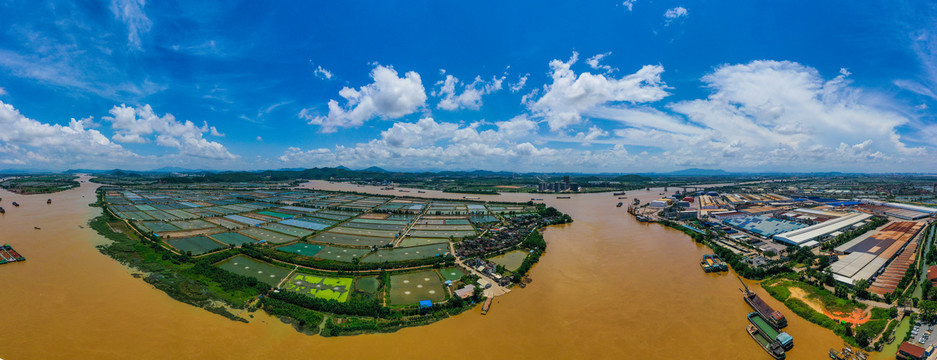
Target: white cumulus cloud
{"x":136,"y":125}
{"x":570,"y":95}
{"x":388,"y":97}
{"x":471,"y":96}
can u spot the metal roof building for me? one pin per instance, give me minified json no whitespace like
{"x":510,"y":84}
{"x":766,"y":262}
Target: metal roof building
{"x":821,"y":230}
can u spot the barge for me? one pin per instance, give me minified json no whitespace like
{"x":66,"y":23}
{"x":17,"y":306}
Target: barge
{"x":783,"y":338}
{"x":562,"y":197}
{"x":712,"y":263}
{"x":771,"y":347}
{"x":618,"y":193}
{"x":773,"y":317}
{"x":486,"y":306}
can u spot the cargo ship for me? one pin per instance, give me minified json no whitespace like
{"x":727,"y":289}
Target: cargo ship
{"x":773,"y":317}
{"x":783,"y":338}
{"x":486,"y":306}
{"x":771,"y":347}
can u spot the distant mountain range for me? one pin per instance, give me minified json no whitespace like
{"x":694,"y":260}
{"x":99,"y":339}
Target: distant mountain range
{"x":343,"y":171}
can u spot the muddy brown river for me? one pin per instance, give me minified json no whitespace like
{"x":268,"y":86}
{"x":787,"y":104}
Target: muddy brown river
{"x":608,"y":287}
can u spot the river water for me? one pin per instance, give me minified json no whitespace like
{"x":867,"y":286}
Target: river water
{"x":608,"y":287}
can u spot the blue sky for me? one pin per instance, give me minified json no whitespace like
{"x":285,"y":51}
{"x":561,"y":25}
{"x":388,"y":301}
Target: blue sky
{"x":610,"y":86}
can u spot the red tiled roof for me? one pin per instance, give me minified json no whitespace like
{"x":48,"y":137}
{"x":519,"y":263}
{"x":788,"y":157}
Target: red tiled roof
{"x":911,"y":349}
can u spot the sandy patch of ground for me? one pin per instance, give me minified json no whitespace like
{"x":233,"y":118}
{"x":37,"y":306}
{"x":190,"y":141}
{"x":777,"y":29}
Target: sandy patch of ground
{"x":856,"y":317}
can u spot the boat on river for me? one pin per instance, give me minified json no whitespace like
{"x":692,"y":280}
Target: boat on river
{"x":783,"y":338}
{"x":773,"y":317}
{"x":619,"y":204}
{"x":2,"y":211}
{"x":773,"y":348}
{"x":486,"y":306}
{"x":16,"y":204}
{"x":49,"y":201}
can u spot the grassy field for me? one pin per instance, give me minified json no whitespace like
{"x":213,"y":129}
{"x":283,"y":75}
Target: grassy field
{"x":248,"y":266}
{"x":406,"y":289}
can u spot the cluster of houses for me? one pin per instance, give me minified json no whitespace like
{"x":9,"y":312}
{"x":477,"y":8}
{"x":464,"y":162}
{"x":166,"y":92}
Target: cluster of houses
{"x":497,"y":238}
{"x":489,"y":269}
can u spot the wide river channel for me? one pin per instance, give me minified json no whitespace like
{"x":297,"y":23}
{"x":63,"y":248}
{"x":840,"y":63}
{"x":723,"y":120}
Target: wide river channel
{"x":608,"y":287}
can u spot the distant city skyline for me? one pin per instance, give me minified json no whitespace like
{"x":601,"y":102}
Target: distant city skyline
{"x":620,"y":86}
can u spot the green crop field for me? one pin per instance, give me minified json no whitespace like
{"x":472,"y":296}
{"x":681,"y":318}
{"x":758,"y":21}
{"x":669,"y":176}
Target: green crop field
{"x":197,"y":244}
{"x":407,"y":289}
{"x":309,"y":250}
{"x":320,"y":287}
{"x":248,"y":266}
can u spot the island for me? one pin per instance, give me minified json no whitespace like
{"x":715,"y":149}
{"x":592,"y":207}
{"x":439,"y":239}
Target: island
{"x":329,"y":263}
